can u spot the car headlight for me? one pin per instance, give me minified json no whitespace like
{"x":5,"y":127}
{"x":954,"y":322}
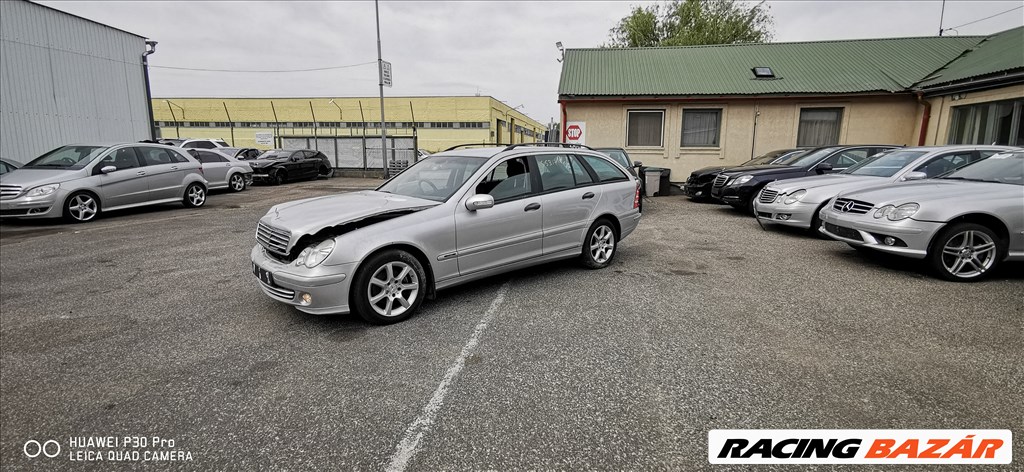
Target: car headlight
{"x":42,"y":190}
{"x":741,"y":180}
{"x":903,"y":212}
{"x":884,"y":211}
{"x":794,"y":197}
{"x":312,"y":256}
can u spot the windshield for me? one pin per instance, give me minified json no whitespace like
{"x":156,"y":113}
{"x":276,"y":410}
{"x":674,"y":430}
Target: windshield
{"x":1004,"y":168}
{"x":884,"y":164}
{"x":434,"y":179}
{"x":770,"y":157}
{"x":66,"y":157}
{"x":808,"y":158}
{"x":619,"y":157}
{"x":277,"y":154}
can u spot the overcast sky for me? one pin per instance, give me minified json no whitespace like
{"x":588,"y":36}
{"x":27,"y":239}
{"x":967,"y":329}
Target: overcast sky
{"x":503,"y":49}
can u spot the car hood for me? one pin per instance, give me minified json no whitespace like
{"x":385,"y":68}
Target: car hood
{"x":934,"y":191}
{"x":310,"y":215}
{"x":830,"y":182}
{"x":766,"y":169}
{"x":27,"y":178}
{"x":706,"y":171}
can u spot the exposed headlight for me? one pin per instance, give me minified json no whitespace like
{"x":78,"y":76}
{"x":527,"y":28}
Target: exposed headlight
{"x":741,"y":180}
{"x":794,"y":197}
{"x":884,"y":211}
{"x":42,"y":190}
{"x":904,"y":211}
{"x":312,"y":256}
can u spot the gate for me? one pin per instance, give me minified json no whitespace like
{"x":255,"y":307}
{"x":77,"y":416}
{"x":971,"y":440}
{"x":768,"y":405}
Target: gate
{"x":358,"y":156}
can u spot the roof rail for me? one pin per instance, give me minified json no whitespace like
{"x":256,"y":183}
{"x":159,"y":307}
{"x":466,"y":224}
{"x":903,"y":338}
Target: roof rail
{"x":472,"y":144}
{"x":551,"y":144}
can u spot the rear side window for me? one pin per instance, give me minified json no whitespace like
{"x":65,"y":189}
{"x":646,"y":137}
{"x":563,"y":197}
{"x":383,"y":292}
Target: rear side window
{"x":555,"y":172}
{"x":606,"y":171}
{"x":579,"y":172}
{"x":207,"y":157}
{"x":154,"y":156}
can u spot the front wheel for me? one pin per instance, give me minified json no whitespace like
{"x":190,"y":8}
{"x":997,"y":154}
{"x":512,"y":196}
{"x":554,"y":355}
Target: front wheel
{"x":237,"y":183}
{"x":389,"y":288}
{"x":81,"y":207}
{"x":195,"y":196}
{"x":965,"y":252}
{"x":599,"y":245}
{"x":326,"y":172}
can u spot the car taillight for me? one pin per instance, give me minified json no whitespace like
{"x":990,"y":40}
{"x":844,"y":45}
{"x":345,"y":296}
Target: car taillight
{"x":636,"y":196}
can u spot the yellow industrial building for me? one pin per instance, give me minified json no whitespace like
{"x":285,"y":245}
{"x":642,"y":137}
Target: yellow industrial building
{"x":437,"y":122}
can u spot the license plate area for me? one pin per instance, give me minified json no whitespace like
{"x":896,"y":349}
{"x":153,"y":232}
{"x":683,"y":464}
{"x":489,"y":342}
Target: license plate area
{"x":264,"y":275}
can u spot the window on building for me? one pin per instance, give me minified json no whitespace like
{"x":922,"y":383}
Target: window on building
{"x":819,"y":127}
{"x":988,"y":123}
{"x":222,"y":124}
{"x":701,"y":128}
{"x":644,"y":127}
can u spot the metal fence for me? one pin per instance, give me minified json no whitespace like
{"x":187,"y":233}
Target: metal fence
{"x":358,"y":153}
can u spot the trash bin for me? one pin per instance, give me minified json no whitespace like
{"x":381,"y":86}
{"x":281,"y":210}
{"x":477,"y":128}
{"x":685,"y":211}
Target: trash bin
{"x":652,"y":180}
{"x":665,"y":188}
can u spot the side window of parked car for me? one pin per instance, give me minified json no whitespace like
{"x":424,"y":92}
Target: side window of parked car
{"x":945,"y":163}
{"x":846,"y":159}
{"x":579,"y":172}
{"x":207,"y":157}
{"x":606,"y":171}
{"x":154,"y":156}
{"x":4,"y":168}
{"x":508,"y":180}
{"x":124,"y":158}
{"x":555,"y":172}
{"x":177,"y":157}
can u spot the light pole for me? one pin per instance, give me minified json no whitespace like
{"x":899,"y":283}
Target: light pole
{"x":150,"y":49}
{"x":380,"y":75}
{"x":177,"y":125}
{"x":341,"y":117}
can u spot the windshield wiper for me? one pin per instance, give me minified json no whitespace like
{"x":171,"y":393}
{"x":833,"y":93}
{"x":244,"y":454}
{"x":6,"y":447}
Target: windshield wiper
{"x":48,"y":165}
{"x":968,"y":179}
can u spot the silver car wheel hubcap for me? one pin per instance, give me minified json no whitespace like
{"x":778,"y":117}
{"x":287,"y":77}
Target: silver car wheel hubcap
{"x":196,"y":196}
{"x":602,"y":244}
{"x":236,"y":182}
{"x":82,"y":208}
{"x":393,"y":289}
{"x":969,"y":254}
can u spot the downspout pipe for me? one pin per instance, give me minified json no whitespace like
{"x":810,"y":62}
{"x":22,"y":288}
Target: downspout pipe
{"x":925,"y":116}
{"x":150,"y":49}
{"x":564,"y":117}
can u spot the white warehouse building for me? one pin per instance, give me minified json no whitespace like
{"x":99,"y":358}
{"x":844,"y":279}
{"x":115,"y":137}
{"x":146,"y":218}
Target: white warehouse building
{"x":67,"y":79}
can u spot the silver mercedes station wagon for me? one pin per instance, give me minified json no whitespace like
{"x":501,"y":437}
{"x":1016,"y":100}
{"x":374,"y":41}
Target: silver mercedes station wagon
{"x":461,"y":215}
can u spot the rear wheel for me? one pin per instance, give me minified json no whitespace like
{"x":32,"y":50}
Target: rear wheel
{"x":326,"y":172}
{"x":195,"y":196}
{"x":81,"y":207}
{"x":599,"y":246}
{"x":965,"y":252}
{"x":389,"y":288}
{"x":279,"y":177}
{"x":237,"y":183}
{"x":816,"y":224}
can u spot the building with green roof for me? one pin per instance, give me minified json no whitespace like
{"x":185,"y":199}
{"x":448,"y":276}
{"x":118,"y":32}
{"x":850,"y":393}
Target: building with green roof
{"x":688,"y":107}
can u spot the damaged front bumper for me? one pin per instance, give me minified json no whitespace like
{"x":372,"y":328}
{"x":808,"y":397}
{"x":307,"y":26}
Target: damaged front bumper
{"x":321,"y":290}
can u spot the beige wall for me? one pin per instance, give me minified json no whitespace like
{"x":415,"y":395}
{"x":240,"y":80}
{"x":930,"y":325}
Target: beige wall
{"x":938,"y":122}
{"x":866,"y":120}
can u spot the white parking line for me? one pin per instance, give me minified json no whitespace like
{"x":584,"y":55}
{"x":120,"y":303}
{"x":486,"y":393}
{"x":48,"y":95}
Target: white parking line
{"x":421,"y":425}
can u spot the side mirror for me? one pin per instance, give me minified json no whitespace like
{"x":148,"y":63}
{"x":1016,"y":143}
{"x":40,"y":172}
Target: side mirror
{"x":479,"y":202}
{"x":823,"y":167}
{"x":637,"y":164}
{"x":108,"y":169}
{"x":915,"y":176}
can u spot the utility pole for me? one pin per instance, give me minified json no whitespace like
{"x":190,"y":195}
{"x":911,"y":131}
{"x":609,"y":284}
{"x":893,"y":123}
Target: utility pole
{"x":380,"y":75}
{"x":942,"y":14}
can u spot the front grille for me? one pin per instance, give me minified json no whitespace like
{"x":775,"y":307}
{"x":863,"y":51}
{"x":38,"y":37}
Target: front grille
{"x":274,"y":239}
{"x":279,"y":292}
{"x":843,"y":232}
{"x":10,"y":191}
{"x":720,"y":180}
{"x":768,"y":196}
{"x":857,"y":207}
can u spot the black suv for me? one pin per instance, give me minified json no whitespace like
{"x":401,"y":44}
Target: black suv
{"x":278,"y":166}
{"x":738,"y":186}
{"x":698,"y":185}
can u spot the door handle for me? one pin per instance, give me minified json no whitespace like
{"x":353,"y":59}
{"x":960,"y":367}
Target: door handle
{"x":588,"y":195}
{"x":174,"y":167}
{"x":141,"y":172}
{"x":532,"y":206}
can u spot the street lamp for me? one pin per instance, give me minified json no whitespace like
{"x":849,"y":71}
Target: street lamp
{"x":341,"y":117}
{"x":561,"y":50}
{"x":150,"y":49}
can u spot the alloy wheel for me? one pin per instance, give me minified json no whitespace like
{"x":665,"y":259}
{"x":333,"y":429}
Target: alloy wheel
{"x":237,"y":183}
{"x":602,"y":244}
{"x":82,"y":207}
{"x":968,"y":254}
{"x":393,"y":288}
{"x":196,"y":195}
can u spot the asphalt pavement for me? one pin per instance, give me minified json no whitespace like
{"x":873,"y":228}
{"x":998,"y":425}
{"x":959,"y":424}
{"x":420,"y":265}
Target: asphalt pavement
{"x":148,"y":323}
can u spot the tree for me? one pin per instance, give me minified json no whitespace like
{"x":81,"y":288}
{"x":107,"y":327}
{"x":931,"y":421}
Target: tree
{"x":693,"y":22}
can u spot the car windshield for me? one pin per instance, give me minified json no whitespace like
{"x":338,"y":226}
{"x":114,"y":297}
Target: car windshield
{"x":434,"y":179}
{"x":1004,"y":168}
{"x":619,"y":157}
{"x":884,"y":164}
{"x":808,"y":158}
{"x":275,"y":155}
{"x":66,"y":157}
{"x":770,"y":157}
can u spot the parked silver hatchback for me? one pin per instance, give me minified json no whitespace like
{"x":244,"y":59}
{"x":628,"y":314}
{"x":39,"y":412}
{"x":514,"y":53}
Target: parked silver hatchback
{"x":458,"y":216}
{"x":79,"y":181}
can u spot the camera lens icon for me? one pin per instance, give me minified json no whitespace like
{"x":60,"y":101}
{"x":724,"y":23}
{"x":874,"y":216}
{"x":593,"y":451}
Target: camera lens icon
{"x":33,"y":448}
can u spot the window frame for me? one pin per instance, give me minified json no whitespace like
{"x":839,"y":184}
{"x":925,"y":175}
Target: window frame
{"x":719,"y":111}
{"x":839,"y":124}
{"x":532,"y":172}
{"x":661,"y":132}
{"x":595,"y":175}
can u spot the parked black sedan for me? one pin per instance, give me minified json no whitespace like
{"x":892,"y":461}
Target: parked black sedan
{"x":698,"y":185}
{"x":738,"y":186}
{"x":278,"y":166}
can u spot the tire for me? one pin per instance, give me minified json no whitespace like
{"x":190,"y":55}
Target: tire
{"x":600,"y":245}
{"x":236,"y":183}
{"x":195,"y":196}
{"x":965,"y":252}
{"x":376,"y":291}
{"x":816,"y":223}
{"x":81,"y":207}
{"x":326,"y":172}
{"x":279,"y":177}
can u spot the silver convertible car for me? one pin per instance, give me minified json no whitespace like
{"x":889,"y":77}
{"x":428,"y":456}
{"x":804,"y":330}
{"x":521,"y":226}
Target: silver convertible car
{"x":964,"y":224}
{"x":796,"y":202}
{"x":458,"y":216}
{"x":80,"y":181}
